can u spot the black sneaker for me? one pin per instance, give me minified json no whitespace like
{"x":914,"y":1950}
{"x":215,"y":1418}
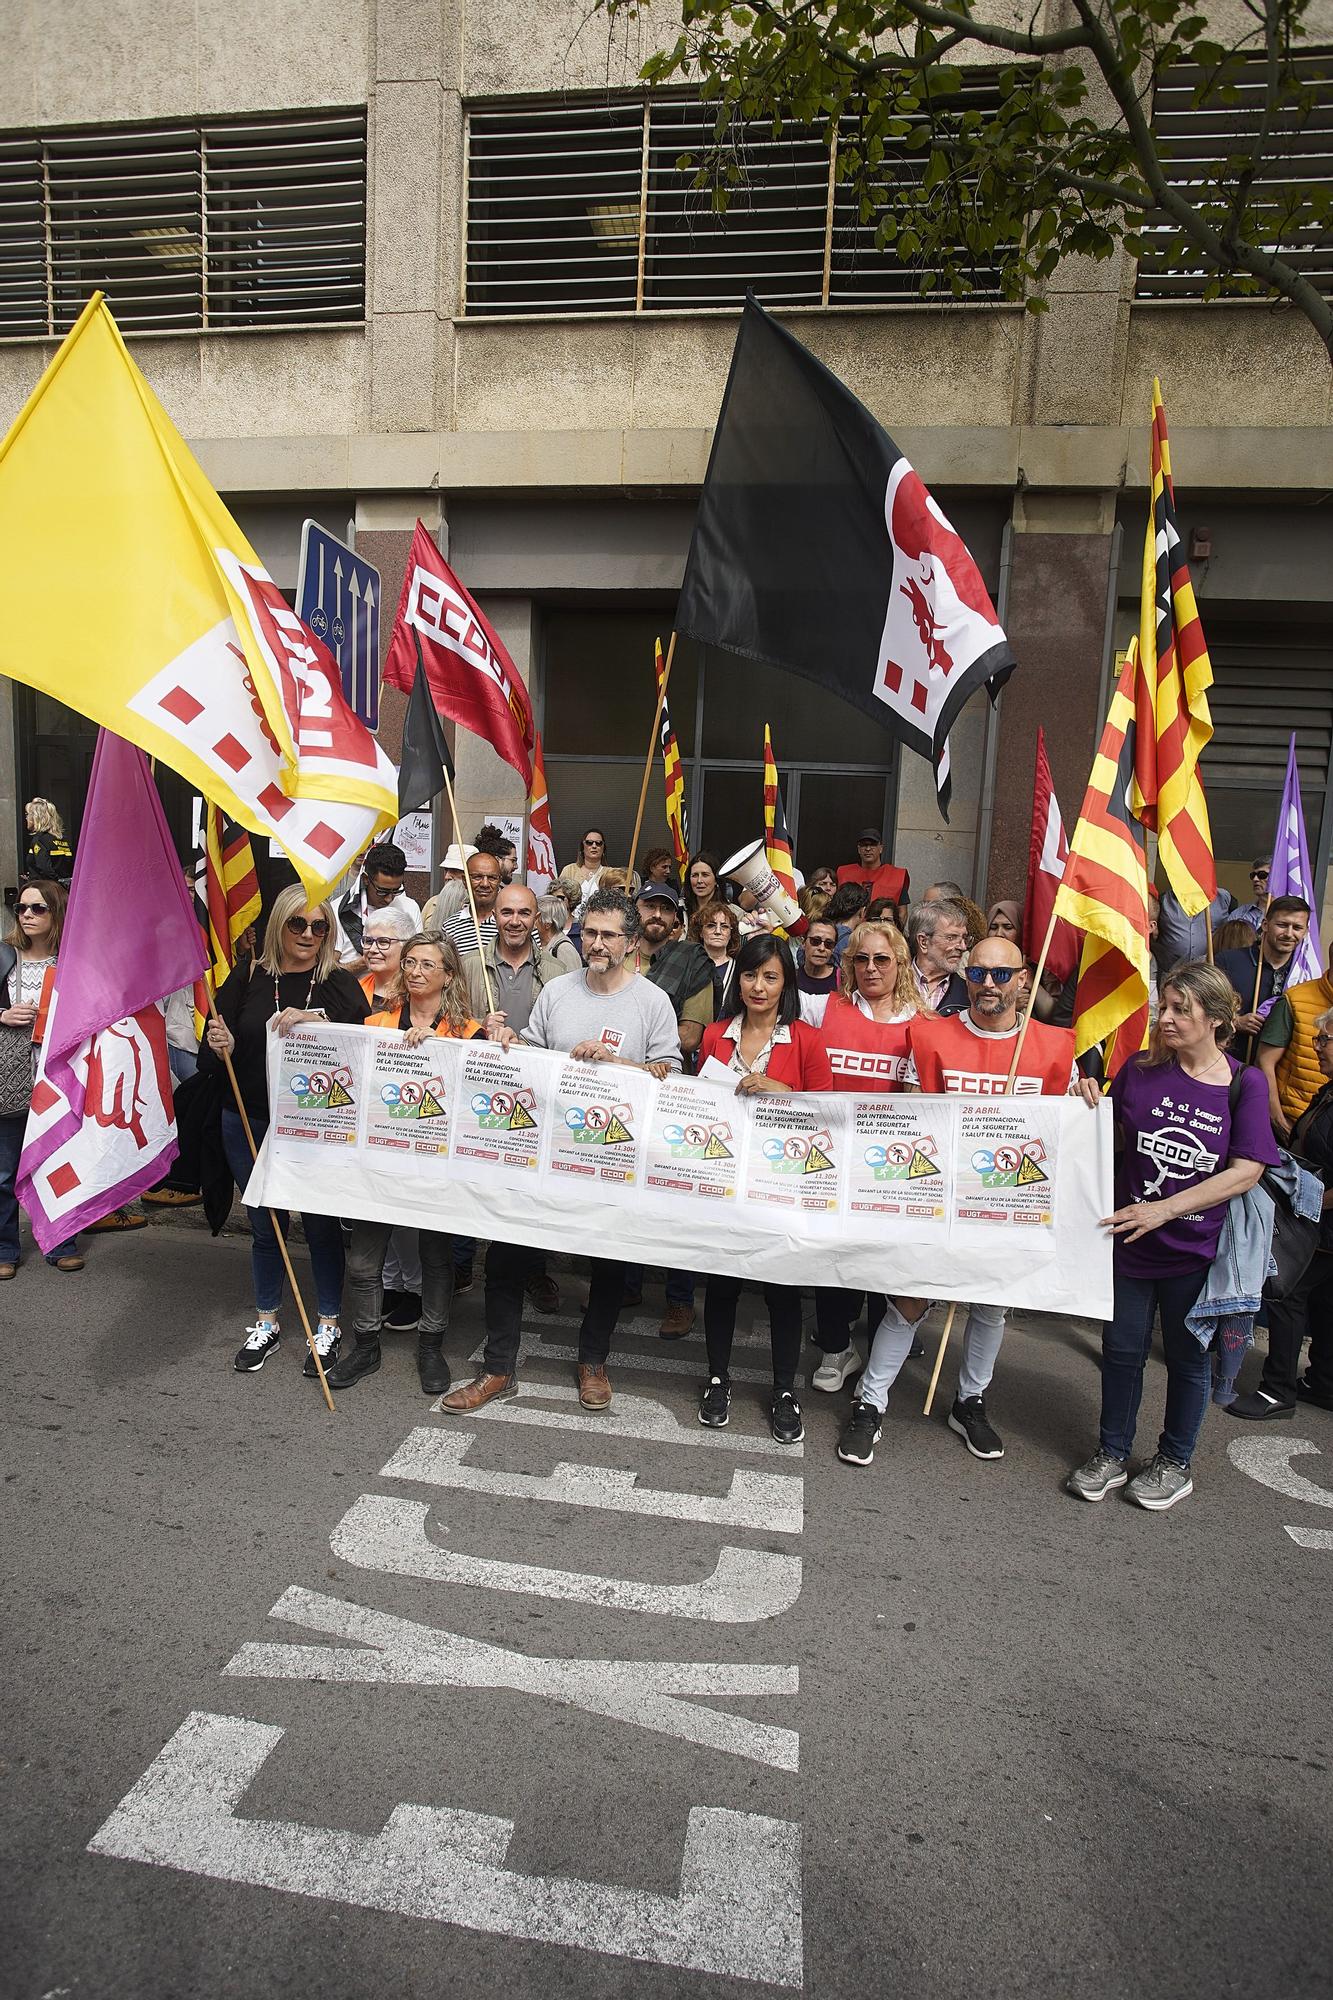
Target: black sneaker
{"x":785,"y":1418}
{"x":328,"y":1339}
{"x":1307,"y":1392}
{"x":968,"y":1418}
{"x":860,"y":1434}
{"x":1260,"y":1406}
{"x":715,"y":1404}
{"x":261,"y":1339}
{"x":404,"y":1315}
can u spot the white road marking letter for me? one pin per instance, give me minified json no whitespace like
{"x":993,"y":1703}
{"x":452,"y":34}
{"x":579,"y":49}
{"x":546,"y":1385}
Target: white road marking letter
{"x":1312,"y":1538}
{"x":1267,"y":1460}
{"x":762,"y":1500}
{"x":647,"y":1693}
{"x":737,"y":1914}
{"x":390,"y":1535}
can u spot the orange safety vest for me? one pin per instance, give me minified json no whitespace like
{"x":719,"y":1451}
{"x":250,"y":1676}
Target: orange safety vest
{"x":1298,"y":1073}
{"x":864,"y":1055}
{"x":949,"y":1056}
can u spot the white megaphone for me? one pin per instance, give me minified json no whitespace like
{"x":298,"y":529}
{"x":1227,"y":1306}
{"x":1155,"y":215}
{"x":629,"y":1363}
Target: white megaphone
{"x":749,"y":869}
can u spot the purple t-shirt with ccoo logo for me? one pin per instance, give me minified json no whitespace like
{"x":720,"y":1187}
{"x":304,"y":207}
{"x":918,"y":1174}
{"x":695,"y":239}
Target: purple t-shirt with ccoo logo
{"x":1177,"y":1132}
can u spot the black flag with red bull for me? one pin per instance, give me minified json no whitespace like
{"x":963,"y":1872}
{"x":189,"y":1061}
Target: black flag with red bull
{"x":818,"y":549}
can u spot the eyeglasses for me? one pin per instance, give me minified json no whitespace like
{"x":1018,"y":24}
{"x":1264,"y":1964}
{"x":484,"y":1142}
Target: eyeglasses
{"x":32,"y":909}
{"x":422,"y":965}
{"x":873,"y":958}
{"x":388,"y":890}
{"x":1258,"y":874}
{"x":378,"y":944}
{"x":602,"y":937}
{"x":301,"y":926}
{"x":1321,"y":1041}
{"x":1000,"y":975}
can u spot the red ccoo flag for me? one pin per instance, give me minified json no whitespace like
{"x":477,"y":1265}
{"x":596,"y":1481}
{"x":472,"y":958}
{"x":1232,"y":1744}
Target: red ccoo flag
{"x":1048,"y":850}
{"x":472,"y":678}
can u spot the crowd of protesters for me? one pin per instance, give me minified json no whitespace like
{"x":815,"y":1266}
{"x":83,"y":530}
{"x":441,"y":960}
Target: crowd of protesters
{"x":674,"y":966}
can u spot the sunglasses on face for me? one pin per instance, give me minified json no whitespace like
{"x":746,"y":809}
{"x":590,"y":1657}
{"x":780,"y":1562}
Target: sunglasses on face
{"x":977,"y":975}
{"x":1258,"y":874}
{"x":32,"y":909}
{"x":303,"y":926}
{"x":873,"y":958}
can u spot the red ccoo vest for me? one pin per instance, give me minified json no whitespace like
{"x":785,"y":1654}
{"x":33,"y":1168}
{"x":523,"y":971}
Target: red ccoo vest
{"x":865,"y":1055}
{"x":949,"y":1055}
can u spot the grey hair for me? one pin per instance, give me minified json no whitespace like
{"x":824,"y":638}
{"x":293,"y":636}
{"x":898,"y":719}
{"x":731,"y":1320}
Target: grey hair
{"x":924,"y":919}
{"x":608,"y":902}
{"x":394,"y":922}
{"x":553,"y":910}
{"x":451,"y":902}
{"x":1322,"y":1020}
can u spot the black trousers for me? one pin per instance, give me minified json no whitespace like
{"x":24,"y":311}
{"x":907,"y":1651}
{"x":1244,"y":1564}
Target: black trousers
{"x":836,"y":1313}
{"x":508,"y":1268}
{"x":784,"y":1322}
{"x":1307,"y":1309}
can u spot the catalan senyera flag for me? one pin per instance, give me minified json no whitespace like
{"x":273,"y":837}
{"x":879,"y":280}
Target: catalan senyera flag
{"x":541,"y":840}
{"x":674,"y":775}
{"x":132,"y":596}
{"x":226,"y":899}
{"x":777,"y":845}
{"x":1105,"y":893}
{"x":1173,"y":724}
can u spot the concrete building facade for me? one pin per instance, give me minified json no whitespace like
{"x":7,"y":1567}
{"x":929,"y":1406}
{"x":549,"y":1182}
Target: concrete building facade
{"x":557,"y":449}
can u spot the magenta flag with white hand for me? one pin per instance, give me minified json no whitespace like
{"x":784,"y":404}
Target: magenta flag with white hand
{"x":101,"y":1128}
{"x":1290,"y":873}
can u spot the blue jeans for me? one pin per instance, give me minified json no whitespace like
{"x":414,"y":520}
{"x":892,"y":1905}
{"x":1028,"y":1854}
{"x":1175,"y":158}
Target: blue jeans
{"x":323,"y":1233}
{"x":1126,"y":1345}
{"x":679,"y":1284}
{"x":183,"y":1063}
{"x":11,"y":1146}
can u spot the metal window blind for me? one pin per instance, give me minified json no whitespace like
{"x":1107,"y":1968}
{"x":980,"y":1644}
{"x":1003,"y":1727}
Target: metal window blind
{"x":1198,"y":140}
{"x":258,"y":222}
{"x":1267,"y":682}
{"x":584,"y":207}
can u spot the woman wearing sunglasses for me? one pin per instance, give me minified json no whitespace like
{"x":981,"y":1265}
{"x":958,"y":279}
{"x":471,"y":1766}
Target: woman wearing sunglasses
{"x":434,"y":1002}
{"x":295,"y":978}
{"x":864,"y":1027}
{"x":27,"y":968}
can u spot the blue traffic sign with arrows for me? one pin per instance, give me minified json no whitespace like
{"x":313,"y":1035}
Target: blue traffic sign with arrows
{"x":338,"y":597}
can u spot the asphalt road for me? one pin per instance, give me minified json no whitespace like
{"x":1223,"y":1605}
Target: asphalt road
{"x":1044,"y":1748}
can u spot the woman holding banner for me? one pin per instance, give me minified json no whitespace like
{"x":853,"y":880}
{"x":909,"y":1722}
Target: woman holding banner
{"x":296,"y":978}
{"x":435,"y":1002}
{"x":383,"y":937}
{"x":1184,"y":1151}
{"x":762,"y":1040}
{"x":27,"y":974}
{"x":864,"y":1028}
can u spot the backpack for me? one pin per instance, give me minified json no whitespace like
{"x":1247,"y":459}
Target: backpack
{"x":1295,"y":1238}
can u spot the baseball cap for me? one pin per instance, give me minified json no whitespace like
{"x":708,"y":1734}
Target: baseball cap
{"x":870,"y":833}
{"x":659,"y":892}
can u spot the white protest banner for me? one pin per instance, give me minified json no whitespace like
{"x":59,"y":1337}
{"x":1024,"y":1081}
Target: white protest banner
{"x":986,"y":1200}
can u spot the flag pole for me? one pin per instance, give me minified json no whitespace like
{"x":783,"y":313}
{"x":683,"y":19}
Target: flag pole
{"x":1208,"y":923}
{"x":273,"y":1214}
{"x":648,"y":765}
{"x":1032,"y":1001}
{"x":471,"y":899}
{"x":939,"y":1357}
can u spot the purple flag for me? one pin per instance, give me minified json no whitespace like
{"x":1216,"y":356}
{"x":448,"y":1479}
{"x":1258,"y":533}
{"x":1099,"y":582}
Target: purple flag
{"x":101,"y":1127}
{"x":1290,"y":872}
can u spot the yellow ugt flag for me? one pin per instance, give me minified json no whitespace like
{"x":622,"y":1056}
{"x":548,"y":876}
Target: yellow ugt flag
{"x":132,"y":596}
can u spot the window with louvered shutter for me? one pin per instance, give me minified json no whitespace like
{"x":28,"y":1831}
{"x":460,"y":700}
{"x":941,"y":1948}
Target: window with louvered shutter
{"x":1268,"y":682}
{"x":188,"y":228}
{"x":1197,"y":141}
{"x":587,"y":207}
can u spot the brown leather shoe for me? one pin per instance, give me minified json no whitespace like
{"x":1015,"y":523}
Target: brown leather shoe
{"x":482,"y":1389}
{"x":67,"y":1264}
{"x":594,"y":1389}
{"x":8,"y":1271}
{"x":119,"y":1218}
{"x":544,"y":1293}
{"x":677,"y":1322}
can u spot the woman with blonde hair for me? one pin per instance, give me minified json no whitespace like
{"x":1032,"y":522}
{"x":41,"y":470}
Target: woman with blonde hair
{"x":434,"y":1002}
{"x":864,"y":1028}
{"x":295,"y":978}
{"x":27,"y":971}
{"x":49,"y":855}
{"x":1184,"y":1149}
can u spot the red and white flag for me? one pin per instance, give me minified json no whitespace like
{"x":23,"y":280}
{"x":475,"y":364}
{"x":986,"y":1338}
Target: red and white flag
{"x":1048,"y":851}
{"x":541,"y":842}
{"x":471,"y":677}
{"x":102,"y":1127}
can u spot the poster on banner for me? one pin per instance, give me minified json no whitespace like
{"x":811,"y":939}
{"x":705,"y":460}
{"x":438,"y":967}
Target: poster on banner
{"x":693,"y":1142}
{"x":409,"y":1095}
{"x":795,"y":1155}
{"x":498,"y":1112}
{"x":1008,"y":1152}
{"x":413,"y":834}
{"x":597,"y":1123}
{"x":319,"y":1086}
{"x":900,"y":1158}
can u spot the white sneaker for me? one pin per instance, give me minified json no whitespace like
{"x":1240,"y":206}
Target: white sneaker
{"x":834,"y":1369}
{"x":327,"y":1336}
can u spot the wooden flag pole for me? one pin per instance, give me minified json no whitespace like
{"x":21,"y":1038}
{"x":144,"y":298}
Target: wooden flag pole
{"x":1208,"y":921}
{"x":1259,"y":968}
{"x":1032,"y":1001}
{"x":939,"y":1357}
{"x":471,"y":899}
{"x":273,"y":1214}
{"x":648,"y":765}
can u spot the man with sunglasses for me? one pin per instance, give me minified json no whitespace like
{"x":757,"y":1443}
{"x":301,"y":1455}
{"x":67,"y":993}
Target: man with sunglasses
{"x":378,"y":887}
{"x":972,"y":1053}
{"x":1253,"y":913}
